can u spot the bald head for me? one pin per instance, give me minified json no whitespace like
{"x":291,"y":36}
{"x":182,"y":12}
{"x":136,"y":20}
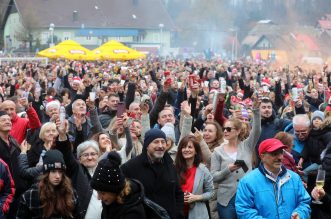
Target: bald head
{"x":10,"y":107}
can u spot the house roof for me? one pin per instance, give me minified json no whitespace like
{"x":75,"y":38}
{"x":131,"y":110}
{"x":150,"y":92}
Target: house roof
{"x":308,"y":41}
{"x":251,"y":40}
{"x":139,"y":14}
{"x":325,"y":24}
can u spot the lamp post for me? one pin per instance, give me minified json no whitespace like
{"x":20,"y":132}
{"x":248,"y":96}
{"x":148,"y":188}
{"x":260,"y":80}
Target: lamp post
{"x":51,"y":29}
{"x":234,"y":49}
{"x":161,"y":26}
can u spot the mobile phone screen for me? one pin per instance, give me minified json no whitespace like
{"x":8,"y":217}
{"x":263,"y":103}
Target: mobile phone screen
{"x":120,"y":109}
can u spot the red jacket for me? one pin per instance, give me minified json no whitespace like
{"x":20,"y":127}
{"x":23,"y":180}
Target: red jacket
{"x":21,"y":125}
{"x":7,"y":187}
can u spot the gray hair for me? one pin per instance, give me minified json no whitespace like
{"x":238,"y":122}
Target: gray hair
{"x":301,"y":119}
{"x":85,"y":145}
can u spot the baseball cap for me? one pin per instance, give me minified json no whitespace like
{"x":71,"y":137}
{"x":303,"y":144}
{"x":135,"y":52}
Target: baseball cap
{"x":270,"y":145}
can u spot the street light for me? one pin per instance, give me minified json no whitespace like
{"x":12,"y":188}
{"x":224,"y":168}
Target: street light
{"x":51,"y":29}
{"x":161,"y":26}
{"x":234,"y":50}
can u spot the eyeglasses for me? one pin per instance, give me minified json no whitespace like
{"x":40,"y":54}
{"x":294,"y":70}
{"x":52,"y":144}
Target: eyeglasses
{"x":86,"y":155}
{"x":228,"y":129}
{"x":300,"y":132}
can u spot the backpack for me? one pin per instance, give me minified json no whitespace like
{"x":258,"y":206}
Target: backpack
{"x":152,"y":209}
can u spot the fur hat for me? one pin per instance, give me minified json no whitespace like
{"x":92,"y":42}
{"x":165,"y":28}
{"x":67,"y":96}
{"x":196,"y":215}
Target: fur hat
{"x":318,"y":114}
{"x":169,"y":131}
{"x":53,"y":159}
{"x":108,"y":176}
{"x":153,"y":134}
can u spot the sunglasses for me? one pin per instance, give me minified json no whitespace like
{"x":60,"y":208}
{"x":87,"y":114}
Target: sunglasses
{"x":228,"y":129}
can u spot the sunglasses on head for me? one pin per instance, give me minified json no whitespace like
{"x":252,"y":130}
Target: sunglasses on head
{"x":228,"y":129}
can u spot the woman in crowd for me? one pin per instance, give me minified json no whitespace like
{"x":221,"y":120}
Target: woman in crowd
{"x":196,"y":180}
{"x":104,"y":142}
{"x":47,"y":136}
{"x":231,"y":161}
{"x":121,"y":197}
{"x":81,"y":170}
{"x":323,"y":211}
{"x":53,"y":196}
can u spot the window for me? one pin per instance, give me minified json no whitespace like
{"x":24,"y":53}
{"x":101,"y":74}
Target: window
{"x":44,"y":37}
{"x":66,"y":35}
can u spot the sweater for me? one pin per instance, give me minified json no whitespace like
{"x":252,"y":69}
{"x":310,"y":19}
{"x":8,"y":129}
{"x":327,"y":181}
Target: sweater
{"x":220,"y":160}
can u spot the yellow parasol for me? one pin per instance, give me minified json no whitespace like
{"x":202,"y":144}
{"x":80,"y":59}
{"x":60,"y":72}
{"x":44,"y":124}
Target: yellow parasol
{"x":114,"y":50}
{"x":68,"y":49}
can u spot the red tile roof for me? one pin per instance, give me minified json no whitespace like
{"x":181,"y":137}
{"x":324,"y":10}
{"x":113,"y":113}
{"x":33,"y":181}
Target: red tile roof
{"x":308,"y":41}
{"x":325,"y":24}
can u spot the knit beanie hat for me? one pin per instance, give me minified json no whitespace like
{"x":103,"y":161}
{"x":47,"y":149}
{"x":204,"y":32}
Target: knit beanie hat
{"x":317,"y":114}
{"x":2,"y":113}
{"x":53,"y":159}
{"x":153,"y":134}
{"x":169,"y":131}
{"x":108,"y":176}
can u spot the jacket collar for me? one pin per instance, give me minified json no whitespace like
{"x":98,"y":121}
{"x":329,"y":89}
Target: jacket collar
{"x":262,"y":169}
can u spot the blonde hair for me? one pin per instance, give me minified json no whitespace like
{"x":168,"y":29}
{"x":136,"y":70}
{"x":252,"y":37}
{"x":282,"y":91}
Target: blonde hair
{"x":43,"y":129}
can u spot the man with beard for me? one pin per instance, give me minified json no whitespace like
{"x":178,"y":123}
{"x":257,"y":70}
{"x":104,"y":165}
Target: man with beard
{"x":154,"y":168}
{"x":269,"y":123}
{"x":271,"y":184}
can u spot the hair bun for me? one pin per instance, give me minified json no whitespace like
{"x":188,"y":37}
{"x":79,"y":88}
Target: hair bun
{"x":114,"y":158}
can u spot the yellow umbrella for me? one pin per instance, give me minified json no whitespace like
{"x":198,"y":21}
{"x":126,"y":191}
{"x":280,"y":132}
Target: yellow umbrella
{"x":114,"y":50}
{"x":68,"y":49}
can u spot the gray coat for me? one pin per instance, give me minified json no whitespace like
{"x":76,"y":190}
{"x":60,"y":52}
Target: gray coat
{"x":203,"y":185}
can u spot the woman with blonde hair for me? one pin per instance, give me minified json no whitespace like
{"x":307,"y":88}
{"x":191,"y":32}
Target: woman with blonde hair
{"x":231,"y":161}
{"x":47,"y":137}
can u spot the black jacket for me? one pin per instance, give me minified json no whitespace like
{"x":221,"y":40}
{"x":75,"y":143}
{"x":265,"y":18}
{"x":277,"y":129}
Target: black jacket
{"x":132,"y":207}
{"x":79,"y":176}
{"x":30,"y":206}
{"x":159,"y":180}
{"x":9,"y":154}
{"x":315,"y":144}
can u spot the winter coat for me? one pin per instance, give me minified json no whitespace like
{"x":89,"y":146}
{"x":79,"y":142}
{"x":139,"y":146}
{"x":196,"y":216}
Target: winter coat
{"x":9,"y":154}
{"x":203,"y":185}
{"x":106,"y":117}
{"x":160,"y":181}
{"x":30,"y":206}
{"x":315,"y":144}
{"x":21,"y":125}
{"x":260,"y":196}
{"x":7,"y":188}
{"x":78,"y":174}
{"x":132,"y":207}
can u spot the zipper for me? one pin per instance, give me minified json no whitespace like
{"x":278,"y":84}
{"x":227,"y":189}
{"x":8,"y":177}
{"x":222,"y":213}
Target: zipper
{"x":274,"y":184}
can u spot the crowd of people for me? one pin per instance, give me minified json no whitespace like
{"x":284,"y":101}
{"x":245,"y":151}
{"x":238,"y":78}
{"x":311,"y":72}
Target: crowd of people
{"x":196,"y":138}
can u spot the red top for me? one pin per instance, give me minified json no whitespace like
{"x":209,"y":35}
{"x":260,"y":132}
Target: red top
{"x":188,"y":186}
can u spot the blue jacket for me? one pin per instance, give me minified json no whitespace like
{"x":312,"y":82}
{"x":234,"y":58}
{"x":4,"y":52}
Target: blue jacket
{"x":260,"y":196}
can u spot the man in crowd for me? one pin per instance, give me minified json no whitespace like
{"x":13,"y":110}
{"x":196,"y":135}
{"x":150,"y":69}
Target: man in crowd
{"x":269,"y":123}
{"x":108,"y":115}
{"x":155,"y":170}
{"x":272,"y":191}
{"x":21,"y":125}
{"x":9,"y":151}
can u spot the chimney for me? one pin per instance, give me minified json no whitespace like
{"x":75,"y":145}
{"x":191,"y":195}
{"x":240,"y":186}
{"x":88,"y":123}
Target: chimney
{"x":75,"y":16}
